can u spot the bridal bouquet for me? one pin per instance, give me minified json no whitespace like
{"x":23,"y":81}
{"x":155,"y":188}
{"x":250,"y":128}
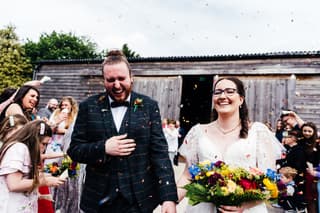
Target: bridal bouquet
{"x":68,"y":168}
{"x":222,"y":184}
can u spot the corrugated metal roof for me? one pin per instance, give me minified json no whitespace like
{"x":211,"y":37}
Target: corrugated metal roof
{"x":295,"y":54}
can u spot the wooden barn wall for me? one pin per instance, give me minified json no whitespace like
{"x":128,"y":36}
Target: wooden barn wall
{"x":266,"y":97}
{"x":67,"y":80}
{"x":307,"y":98}
{"x":268,"y":81}
{"x":166,"y":90}
{"x":84,"y":81}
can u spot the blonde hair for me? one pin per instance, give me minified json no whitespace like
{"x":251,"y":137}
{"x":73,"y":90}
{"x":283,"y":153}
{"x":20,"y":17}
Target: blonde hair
{"x":73,"y":113}
{"x":288,"y":172}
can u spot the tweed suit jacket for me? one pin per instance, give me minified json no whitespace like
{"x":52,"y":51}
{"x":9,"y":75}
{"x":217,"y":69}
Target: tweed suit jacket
{"x":148,"y":167}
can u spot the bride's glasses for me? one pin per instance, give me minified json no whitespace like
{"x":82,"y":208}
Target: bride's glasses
{"x":227,"y":91}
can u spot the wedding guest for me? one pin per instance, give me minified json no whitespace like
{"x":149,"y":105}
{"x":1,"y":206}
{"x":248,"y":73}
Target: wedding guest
{"x":279,"y":130}
{"x":172,"y":136}
{"x":295,"y":155}
{"x":67,"y":196}
{"x":231,"y":138}
{"x":47,"y":111}
{"x":310,"y":147}
{"x":8,"y":94}
{"x":19,"y":172}
{"x":26,"y":99}
{"x":292,"y":199}
{"x":316,"y":173}
{"x":60,"y":121}
{"x":181,"y":132}
{"x":118,"y":134}
{"x":291,"y":120}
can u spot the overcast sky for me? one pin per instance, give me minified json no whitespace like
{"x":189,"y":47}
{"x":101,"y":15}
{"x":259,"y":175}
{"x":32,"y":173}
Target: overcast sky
{"x":174,"y":27}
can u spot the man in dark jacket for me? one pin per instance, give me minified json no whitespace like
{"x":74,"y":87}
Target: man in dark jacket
{"x":118,"y":134}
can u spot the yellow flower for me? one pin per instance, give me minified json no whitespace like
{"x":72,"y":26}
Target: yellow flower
{"x":209,"y":173}
{"x":231,"y":186}
{"x":204,"y":163}
{"x":272,"y":187}
{"x":224,"y":191}
{"x":225,"y":172}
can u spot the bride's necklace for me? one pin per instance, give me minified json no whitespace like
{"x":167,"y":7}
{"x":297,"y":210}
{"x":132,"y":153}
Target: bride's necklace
{"x":225,"y":132}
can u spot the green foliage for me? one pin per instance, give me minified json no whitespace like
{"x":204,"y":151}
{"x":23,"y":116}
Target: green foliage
{"x":126,"y":51}
{"x":129,"y":53}
{"x":57,"y":46}
{"x":15,"y":68}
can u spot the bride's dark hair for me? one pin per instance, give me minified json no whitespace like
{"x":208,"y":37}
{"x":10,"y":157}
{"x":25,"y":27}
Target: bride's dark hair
{"x":243,"y":110}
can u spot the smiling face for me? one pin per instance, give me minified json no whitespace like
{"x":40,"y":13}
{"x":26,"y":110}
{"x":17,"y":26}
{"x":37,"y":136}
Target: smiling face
{"x":227,"y":99}
{"x":31,"y":99}
{"x":117,"y":81}
{"x":307,"y":132}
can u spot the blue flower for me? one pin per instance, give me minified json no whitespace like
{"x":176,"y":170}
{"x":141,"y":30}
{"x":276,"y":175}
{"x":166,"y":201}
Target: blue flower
{"x":194,"y":170}
{"x":273,"y":175}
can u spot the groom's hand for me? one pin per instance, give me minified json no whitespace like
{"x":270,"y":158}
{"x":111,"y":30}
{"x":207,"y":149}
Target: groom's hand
{"x":120,"y":145}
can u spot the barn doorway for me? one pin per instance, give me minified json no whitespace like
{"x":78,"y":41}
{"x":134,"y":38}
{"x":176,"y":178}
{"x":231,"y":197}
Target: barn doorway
{"x":196,"y":100}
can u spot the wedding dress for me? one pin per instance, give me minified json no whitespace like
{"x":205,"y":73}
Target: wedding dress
{"x":260,"y":149}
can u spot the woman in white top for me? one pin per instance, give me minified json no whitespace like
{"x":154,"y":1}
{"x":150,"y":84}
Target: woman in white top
{"x":230,"y":138}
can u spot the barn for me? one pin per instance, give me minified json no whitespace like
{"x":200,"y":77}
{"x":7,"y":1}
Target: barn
{"x":182,"y":85}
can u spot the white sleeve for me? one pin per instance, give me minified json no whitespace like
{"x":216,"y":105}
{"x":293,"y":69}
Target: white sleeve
{"x":189,"y":147}
{"x":16,"y":158}
{"x":268,"y":147}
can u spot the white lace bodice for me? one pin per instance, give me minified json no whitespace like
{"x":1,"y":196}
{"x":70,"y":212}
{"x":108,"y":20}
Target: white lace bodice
{"x":260,"y":149}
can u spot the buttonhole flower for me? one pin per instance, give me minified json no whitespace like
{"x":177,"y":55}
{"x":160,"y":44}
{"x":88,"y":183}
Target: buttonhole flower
{"x":138,"y":102}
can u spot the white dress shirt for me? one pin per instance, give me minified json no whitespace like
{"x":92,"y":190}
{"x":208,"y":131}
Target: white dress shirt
{"x":118,"y":113}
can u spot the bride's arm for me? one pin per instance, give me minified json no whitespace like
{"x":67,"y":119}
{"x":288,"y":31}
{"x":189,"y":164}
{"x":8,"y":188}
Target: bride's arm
{"x":183,"y":180}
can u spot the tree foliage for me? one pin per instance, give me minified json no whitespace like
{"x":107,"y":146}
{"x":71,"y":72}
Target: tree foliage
{"x":128,"y":52}
{"x":15,"y":68}
{"x":57,"y":46}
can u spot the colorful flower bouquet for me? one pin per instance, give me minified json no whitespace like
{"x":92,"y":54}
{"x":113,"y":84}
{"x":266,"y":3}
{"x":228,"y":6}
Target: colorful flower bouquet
{"x":67,"y":164}
{"x":221,"y":184}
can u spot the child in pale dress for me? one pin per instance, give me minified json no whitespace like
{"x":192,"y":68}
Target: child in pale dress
{"x":19,"y":172}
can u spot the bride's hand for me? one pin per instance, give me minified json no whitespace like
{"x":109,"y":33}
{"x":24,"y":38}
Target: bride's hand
{"x":227,"y":209}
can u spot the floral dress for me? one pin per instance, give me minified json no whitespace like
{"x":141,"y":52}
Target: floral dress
{"x":55,"y":145}
{"x":256,"y":150}
{"x":16,"y":158}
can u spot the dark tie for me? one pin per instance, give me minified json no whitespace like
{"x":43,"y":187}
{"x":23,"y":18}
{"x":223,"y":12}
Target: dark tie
{"x":119,"y":104}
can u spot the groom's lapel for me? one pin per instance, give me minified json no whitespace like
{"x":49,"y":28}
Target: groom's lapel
{"x":126,"y":125}
{"x":106,"y":115}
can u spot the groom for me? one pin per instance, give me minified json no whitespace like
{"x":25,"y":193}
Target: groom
{"x":118,"y":135}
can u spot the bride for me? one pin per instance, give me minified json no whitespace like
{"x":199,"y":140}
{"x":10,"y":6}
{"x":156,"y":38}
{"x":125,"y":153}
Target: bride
{"x":232,"y":139}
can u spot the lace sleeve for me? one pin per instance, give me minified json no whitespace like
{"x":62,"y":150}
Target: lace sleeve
{"x":189,"y":147}
{"x":268,"y":148}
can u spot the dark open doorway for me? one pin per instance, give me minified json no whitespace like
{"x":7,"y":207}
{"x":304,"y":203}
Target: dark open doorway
{"x":196,"y":100}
